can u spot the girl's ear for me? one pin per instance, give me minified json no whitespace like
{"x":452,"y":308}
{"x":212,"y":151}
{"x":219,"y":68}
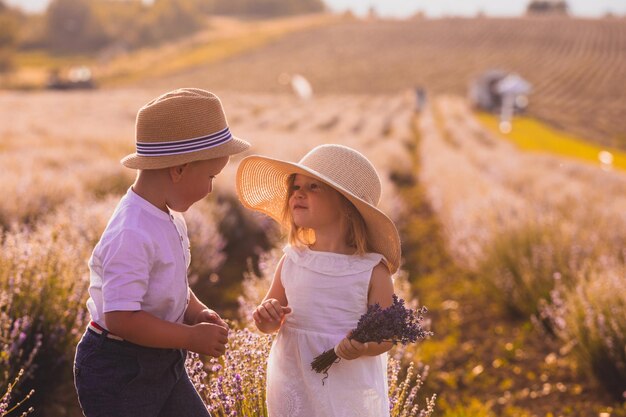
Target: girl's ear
{"x":176,"y":172}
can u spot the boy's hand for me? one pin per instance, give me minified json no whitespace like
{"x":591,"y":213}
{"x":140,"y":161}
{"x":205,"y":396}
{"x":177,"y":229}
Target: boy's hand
{"x":350,"y":349}
{"x":210,"y":316}
{"x":270,"y":311}
{"x":208,"y":339}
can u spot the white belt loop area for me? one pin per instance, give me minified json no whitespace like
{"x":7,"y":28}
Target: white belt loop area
{"x":95,"y":327}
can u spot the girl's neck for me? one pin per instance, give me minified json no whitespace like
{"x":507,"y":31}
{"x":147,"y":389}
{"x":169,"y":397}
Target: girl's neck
{"x":331,"y":244}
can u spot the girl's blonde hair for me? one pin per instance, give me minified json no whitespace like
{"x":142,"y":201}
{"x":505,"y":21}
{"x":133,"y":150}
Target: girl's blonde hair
{"x":302,"y":236}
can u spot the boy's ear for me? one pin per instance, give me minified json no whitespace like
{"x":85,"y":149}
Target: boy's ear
{"x":176,"y":172}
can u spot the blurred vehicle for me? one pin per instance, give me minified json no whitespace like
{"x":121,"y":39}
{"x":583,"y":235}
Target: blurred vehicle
{"x":500,"y":92}
{"x":493,"y":88}
{"x":77,"y":77}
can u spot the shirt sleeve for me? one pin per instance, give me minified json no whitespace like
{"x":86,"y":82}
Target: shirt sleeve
{"x":125,"y":271}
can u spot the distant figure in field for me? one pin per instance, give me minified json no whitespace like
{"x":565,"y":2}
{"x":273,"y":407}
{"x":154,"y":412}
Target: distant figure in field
{"x":420,"y":99}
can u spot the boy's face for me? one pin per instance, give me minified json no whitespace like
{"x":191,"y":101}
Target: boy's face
{"x":194,"y":181}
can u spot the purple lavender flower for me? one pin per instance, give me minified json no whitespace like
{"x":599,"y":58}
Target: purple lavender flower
{"x":396,"y":324}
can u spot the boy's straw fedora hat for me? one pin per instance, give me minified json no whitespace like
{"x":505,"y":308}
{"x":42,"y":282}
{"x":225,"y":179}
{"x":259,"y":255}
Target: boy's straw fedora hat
{"x":182,"y":126}
{"x":262,"y":185}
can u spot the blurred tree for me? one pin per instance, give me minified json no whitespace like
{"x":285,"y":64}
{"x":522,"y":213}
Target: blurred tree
{"x":132,"y":24}
{"x":87,"y":26}
{"x":121,"y":21}
{"x":9,"y":25}
{"x":261,"y":8}
{"x":72,"y":27}
{"x":170,"y":19}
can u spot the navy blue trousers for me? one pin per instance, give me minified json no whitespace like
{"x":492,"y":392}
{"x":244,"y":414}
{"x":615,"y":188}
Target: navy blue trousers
{"x":121,"y":379}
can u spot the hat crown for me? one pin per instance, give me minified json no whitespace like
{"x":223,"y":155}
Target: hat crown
{"x":180,"y":127}
{"x":179,"y":115}
{"x":347,"y":168}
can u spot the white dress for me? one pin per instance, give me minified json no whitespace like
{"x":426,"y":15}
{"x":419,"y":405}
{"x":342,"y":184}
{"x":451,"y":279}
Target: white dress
{"x":328,"y":294}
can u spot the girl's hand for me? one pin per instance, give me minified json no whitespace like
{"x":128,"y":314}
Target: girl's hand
{"x":271,"y":312}
{"x":350,"y":349}
{"x":210,"y":316}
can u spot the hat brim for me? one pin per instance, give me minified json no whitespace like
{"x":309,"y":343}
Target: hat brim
{"x":233,"y":146}
{"x":262,"y":186}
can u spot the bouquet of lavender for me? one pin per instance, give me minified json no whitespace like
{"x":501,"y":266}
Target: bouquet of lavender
{"x":396,"y":324}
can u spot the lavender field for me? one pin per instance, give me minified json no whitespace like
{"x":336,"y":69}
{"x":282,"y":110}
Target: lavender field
{"x":535,"y":247}
{"x":518,"y":255}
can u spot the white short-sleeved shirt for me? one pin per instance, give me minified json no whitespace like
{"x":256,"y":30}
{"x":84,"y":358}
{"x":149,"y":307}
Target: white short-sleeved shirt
{"x":140,"y":263}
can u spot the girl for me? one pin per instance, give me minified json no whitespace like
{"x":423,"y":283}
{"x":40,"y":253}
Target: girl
{"x":342,"y":253}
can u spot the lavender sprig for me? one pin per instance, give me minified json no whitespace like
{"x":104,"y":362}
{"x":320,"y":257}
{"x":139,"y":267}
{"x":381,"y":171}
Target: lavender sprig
{"x":396,"y":324}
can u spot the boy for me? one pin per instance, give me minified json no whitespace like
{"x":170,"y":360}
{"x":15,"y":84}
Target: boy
{"x":130,"y":361}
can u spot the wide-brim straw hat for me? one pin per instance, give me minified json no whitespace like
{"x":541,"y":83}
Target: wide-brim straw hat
{"x":181,"y":126}
{"x":262,"y":185}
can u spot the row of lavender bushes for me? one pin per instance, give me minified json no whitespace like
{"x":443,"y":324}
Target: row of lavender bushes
{"x":42,"y":295}
{"x":569,"y":276}
{"x":43,"y":289}
{"x":545,"y":233}
{"x":234,"y":385}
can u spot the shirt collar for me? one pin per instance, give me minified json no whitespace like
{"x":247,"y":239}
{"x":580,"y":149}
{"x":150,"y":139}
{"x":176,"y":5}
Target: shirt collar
{"x":146,"y":205}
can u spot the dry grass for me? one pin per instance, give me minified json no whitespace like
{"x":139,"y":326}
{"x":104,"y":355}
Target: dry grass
{"x":223,"y":38}
{"x":532,"y":135}
{"x":577,"y":66}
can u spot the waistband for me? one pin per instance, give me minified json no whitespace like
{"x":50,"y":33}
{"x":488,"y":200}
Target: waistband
{"x":95,"y":327}
{"x":122,"y":346}
{"x":332,"y":333}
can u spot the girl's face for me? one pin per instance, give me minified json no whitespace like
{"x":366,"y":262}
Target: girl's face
{"x":314,"y":204}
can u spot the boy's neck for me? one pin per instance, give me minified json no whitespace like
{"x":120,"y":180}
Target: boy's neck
{"x":151,"y":188}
